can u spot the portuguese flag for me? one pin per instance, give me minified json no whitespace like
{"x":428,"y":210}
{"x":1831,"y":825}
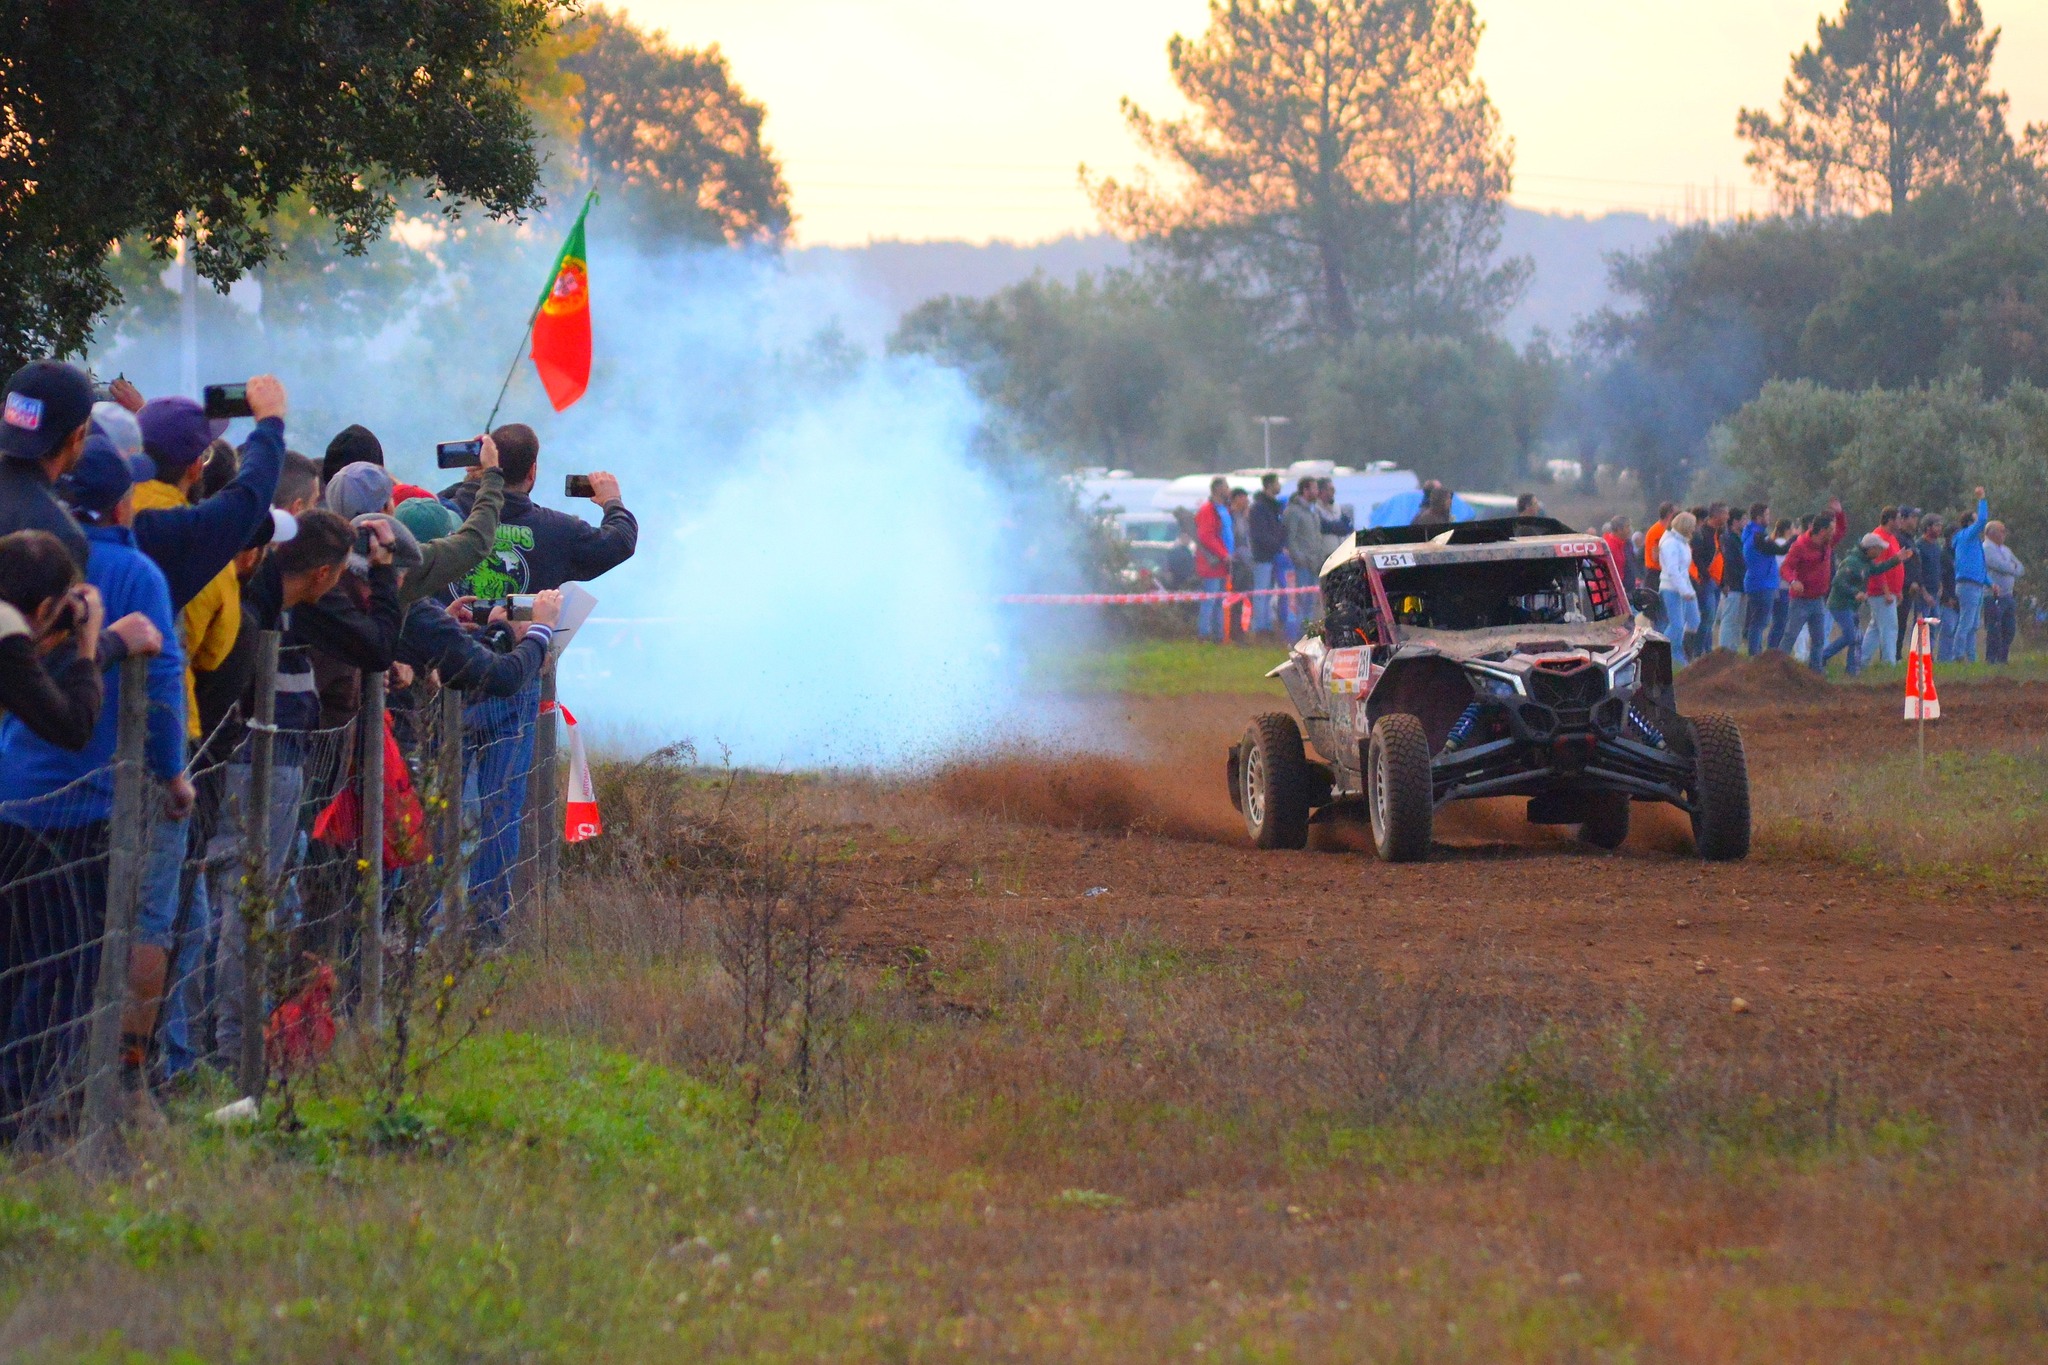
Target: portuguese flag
{"x":561,"y":324}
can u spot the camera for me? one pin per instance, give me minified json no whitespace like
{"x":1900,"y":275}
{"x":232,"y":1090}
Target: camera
{"x":578,"y":486}
{"x":228,"y":400}
{"x":519,"y":607}
{"x":459,"y":454}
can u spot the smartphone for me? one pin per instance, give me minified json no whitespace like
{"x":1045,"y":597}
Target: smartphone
{"x":228,"y":400}
{"x":577,"y":486}
{"x":519,"y":607}
{"x":365,"y":538}
{"x":459,"y":454}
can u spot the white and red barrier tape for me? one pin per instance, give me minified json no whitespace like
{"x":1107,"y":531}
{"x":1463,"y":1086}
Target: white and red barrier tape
{"x":1134,"y":599}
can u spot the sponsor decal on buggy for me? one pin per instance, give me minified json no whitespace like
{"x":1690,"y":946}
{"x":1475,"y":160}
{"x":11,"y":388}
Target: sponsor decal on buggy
{"x":1571,"y":548}
{"x":24,"y":412}
{"x":1348,"y":670}
{"x":1395,"y":559}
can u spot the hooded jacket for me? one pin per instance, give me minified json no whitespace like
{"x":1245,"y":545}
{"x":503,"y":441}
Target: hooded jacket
{"x":1853,"y":575}
{"x":363,"y":637}
{"x":538,"y":548}
{"x":447,"y":558}
{"x":1760,"y":556}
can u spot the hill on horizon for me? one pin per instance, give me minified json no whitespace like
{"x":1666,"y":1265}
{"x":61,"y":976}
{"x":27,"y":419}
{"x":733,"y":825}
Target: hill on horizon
{"x":1569,"y":252}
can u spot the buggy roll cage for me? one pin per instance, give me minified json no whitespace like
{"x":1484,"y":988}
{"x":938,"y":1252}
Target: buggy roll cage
{"x":1487,"y":532}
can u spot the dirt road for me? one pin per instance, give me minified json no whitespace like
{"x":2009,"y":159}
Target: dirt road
{"x":1854,"y":969}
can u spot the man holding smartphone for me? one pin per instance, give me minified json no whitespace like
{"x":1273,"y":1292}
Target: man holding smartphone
{"x":537,"y":549}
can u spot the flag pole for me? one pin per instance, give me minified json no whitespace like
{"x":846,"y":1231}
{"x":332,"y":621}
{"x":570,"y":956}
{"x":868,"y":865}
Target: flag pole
{"x":527,"y":335}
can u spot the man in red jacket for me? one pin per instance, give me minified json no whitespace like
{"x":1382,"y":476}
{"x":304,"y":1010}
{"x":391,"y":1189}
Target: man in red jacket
{"x":1215,"y":537}
{"x":1808,"y":572}
{"x":1881,"y":639}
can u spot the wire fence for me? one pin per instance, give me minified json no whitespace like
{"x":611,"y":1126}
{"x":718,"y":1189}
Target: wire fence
{"x":348,"y":872}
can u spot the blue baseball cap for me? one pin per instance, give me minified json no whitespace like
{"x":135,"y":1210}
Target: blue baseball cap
{"x":100,"y":479}
{"x":46,"y":401}
{"x":176,"y":432}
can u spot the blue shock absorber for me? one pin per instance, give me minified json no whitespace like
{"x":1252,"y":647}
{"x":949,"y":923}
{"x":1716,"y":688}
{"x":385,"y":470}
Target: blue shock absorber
{"x":1642,"y":723}
{"x":1468,"y":720}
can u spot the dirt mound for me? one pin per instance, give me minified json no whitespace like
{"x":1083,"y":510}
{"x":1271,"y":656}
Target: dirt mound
{"x":1724,"y":678}
{"x":1094,"y":793}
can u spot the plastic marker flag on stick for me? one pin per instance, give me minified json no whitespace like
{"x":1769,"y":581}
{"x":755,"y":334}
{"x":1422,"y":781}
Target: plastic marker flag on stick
{"x":561,"y":325}
{"x":580,"y":819}
{"x":1922,"y":701}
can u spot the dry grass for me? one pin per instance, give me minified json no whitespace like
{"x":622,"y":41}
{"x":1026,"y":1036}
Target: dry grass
{"x":1072,"y":1145}
{"x":1967,"y":816}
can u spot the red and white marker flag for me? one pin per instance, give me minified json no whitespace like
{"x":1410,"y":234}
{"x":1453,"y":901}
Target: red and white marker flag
{"x":580,"y":819}
{"x":1922,"y":701}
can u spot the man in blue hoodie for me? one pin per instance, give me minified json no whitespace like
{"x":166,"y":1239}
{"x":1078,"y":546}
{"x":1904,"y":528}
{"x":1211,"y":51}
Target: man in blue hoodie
{"x":1760,"y":555}
{"x":55,"y":805}
{"x":537,"y":549}
{"x":1972,"y":580}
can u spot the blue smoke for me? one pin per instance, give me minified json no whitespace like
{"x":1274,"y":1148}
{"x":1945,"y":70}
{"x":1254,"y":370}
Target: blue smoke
{"x":821,"y":551}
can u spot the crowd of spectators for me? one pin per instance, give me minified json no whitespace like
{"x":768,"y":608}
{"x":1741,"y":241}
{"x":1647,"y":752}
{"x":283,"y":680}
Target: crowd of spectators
{"x":129,"y":528}
{"x":1733,"y":578}
{"x":1730,"y":578}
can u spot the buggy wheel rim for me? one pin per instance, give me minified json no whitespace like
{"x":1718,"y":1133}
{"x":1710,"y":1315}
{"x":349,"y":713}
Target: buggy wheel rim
{"x":1376,"y":781}
{"x":1255,"y":787}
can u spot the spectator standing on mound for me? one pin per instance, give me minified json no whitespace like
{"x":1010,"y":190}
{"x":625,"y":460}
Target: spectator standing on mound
{"x":1808,"y":573}
{"x":1734,"y":572}
{"x":1681,"y":598}
{"x":536,"y":550}
{"x":1760,"y":554}
{"x":1881,"y":639}
{"x":1851,"y":583}
{"x":2001,"y":607}
{"x":1215,"y":533}
{"x":1972,"y":579}
{"x":1653,"y":563}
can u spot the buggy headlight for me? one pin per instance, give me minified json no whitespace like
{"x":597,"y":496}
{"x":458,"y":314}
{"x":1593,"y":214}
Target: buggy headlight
{"x":1493,"y":685}
{"x":1623,"y":675}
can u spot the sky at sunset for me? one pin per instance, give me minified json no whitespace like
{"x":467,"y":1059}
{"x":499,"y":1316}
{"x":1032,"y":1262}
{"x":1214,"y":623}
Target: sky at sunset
{"x":923,"y":119}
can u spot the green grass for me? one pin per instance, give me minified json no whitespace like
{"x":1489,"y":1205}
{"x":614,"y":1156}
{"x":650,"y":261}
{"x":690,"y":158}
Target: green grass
{"x":2029,"y":667}
{"x":1163,"y":668}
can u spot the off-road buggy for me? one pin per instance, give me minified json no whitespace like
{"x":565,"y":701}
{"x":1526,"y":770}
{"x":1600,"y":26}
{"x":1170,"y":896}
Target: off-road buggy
{"x":1486,"y":659}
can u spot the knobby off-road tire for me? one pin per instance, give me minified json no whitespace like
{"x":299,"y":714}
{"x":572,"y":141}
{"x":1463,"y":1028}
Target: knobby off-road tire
{"x":1606,"y":825}
{"x":1720,"y":820}
{"x":1273,"y":783}
{"x":1398,"y":798}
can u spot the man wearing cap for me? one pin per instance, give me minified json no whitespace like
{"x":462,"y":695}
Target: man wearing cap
{"x":1851,"y":583}
{"x":54,"y":812}
{"x":43,"y":426}
{"x":194,"y":544}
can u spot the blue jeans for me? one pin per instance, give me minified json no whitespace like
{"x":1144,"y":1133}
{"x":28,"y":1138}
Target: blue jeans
{"x":1758,"y":608}
{"x":1681,"y":615}
{"x":1846,"y":637}
{"x":1881,"y":640}
{"x":185,"y":987}
{"x":1781,"y":618}
{"x":1209,"y":621}
{"x":498,"y":737}
{"x":163,"y":863}
{"x":1809,"y":614}
{"x":1706,"y":606}
{"x":1262,"y":607}
{"x":1728,"y":620}
{"x":1969,"y":616}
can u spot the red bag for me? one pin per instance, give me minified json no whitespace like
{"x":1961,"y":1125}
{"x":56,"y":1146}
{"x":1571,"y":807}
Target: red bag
{"x":300,"y":1031}
{"x":405,"y":818}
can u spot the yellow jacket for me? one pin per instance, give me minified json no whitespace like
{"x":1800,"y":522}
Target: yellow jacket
{"x":208,"y":625}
